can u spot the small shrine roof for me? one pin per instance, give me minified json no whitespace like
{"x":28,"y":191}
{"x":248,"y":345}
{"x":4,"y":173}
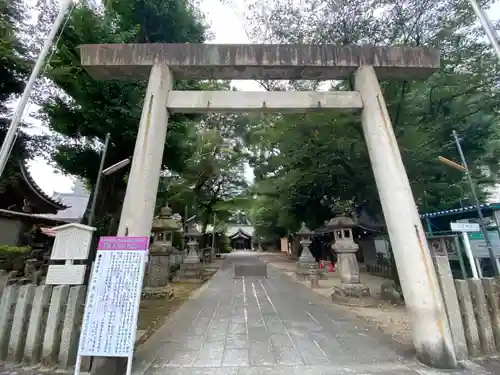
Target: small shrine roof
{"x":24,"y":195}
{"x":246,"y":230}
{"x":38,"y":191}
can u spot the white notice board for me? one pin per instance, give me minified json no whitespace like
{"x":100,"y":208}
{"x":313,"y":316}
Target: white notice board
{"x":114,"y":293}
{"x":65,"y":274}
{"x":465,"y":227}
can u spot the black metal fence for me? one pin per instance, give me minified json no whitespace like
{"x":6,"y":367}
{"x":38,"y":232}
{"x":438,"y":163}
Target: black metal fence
{"x":382,"y":270}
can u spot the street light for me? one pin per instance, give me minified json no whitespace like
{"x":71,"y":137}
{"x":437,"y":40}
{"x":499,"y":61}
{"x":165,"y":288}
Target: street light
{"x":452,"y":164}
{"x":116,"y":167}
{"x":465,"y":169}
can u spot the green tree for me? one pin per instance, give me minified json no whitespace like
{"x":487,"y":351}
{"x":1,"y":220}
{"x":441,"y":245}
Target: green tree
{"x":13,"y":65}
{"x":82,"y":110}
{"x":315,"y":165}
{"x":13,"y":71}
{"x":213,"y":180}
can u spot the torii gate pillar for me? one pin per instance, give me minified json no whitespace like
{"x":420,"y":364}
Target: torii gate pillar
{"x":142,"y":186}
{"x":431,"y":333}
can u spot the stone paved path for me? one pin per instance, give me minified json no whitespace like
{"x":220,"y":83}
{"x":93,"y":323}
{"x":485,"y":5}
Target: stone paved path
{"x":269,"y":326}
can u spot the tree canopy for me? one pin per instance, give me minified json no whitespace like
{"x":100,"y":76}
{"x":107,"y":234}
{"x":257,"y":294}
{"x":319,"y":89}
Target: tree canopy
{"x":13,"y":71}
{"x":202,"y":164}
{"x":314,"y":166}
{"x":213,"y":181}
{"x":308,"y":166}
{"x":82,"y":110}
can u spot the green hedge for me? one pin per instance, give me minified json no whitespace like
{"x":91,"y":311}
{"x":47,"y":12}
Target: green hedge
{"x":8,"y":254}
{"x":225,"y":245}
{"x":226,"y":250}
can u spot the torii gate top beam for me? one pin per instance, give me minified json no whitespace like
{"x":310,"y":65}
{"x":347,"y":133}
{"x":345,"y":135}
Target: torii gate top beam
{"x":256,"y":61}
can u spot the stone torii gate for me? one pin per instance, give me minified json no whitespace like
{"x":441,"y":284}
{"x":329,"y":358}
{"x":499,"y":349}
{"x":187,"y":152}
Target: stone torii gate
{"x":162,"y":63}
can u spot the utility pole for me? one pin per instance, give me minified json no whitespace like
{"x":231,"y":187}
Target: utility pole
{"x":478,"y":206}
{"x":213,"y":237}
{"x":487,"y":27}
{"x":11,"y":135}
{"x":185,"y":227}
{"x":98,"y":182}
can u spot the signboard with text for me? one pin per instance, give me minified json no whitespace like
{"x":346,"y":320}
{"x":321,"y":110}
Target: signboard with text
{"x":465,"y":227}
{"x":113,"y":298}
{"x":478,"y":244}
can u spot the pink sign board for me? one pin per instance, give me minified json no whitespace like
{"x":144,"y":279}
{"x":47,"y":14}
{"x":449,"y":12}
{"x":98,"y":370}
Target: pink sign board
{"x":123,"y":243}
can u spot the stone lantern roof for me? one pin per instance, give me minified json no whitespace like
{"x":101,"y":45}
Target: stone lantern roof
{"x":341,"y":222}
{"x":165,"y":222}
{"x":193,"y":231}
{"x":304,"y":231}
{"x":166,"y":211}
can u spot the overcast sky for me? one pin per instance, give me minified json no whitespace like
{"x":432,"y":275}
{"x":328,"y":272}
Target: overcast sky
{"x":227,"y":27}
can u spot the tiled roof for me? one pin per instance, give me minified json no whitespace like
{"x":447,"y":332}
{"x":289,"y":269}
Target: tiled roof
{"x":39,"y":217}
{"x":38,"y":191}
{"x":247,"y":230}
{"x":77,"y":205}
{"x":233,"y":229}
{"x":75,"y":201}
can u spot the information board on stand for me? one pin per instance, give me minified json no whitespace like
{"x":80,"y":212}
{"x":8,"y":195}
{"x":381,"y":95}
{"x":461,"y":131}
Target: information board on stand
{"x":113,"y":298}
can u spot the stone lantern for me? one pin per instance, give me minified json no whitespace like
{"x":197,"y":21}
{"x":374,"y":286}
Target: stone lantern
{"x":163,"y":227}
{"x":347,"y":263}
{"x":158,"y":268}
{"x":306,"y":261}
{"x":191,"y":268}
{"x":193,"y":235}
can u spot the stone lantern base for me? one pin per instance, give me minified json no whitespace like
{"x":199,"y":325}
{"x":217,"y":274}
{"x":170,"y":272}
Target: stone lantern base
{"x":306,"y":272}
{"x":353,"y":295}
{"x":307,"y":267}
{"x":158,"y":292}
{"x":191,"y":269}
{"x":351,"y":291}
{"x":158,"y":270}
{"x":190,"y":272}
